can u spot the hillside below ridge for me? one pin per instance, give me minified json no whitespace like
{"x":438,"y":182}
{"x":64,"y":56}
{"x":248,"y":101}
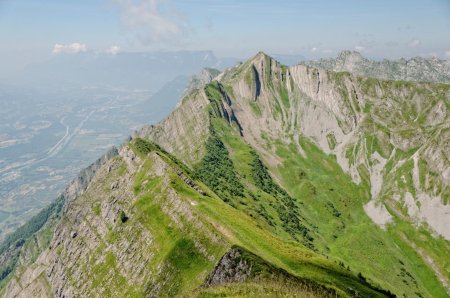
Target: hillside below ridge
{"x":389,"y":135}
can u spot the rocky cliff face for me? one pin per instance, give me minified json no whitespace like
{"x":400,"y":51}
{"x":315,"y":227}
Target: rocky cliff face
{"x":82,"y":181}
{"x":105,"y":246}
{"x":324,"y":179}
{"x":386,"y":127}
{"x":23,"y":246}
{"x":175,"y":134}
{"x":204,"y":77}
{"x":231,"y":268}
{"x":415,"y":69}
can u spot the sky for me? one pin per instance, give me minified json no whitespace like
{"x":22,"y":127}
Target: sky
{"x":36,"y":29}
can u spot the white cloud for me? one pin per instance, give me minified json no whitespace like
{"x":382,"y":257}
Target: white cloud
{"x":154,"y":20}
{"x":113,"y":50}
{"x":447,"y":54}
{"x":73,"y":48}
{"x":414,"y":43}
{"x":314,"y":49}
{"x":327,"y":51}
{"x":360,"y":48}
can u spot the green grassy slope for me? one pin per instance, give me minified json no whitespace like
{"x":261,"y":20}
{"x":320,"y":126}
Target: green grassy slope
{"x":330,"y":204}
{"x":178,"y":265}
{"x":328,"y":209}
{"x":178,"y":231}
{"x":239,"y":228}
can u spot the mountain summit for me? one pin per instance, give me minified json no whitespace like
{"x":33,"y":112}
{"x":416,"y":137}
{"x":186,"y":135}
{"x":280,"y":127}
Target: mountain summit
{"x":266,"y":181}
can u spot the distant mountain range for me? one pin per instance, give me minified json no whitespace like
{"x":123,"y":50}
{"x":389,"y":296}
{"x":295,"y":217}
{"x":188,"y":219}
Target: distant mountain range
{"x":146,"y":71}
{"x":414,"y":69}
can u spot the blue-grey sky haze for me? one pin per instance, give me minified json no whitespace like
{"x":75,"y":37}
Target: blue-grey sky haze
{"x":32,"y":30}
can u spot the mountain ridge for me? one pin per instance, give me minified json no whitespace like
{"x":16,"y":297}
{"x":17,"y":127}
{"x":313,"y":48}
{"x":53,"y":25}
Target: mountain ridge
{"x":287,"y":159}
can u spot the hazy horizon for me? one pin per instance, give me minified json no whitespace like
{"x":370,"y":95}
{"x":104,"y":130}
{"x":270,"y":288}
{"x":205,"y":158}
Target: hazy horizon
{"x":35,"y":32}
